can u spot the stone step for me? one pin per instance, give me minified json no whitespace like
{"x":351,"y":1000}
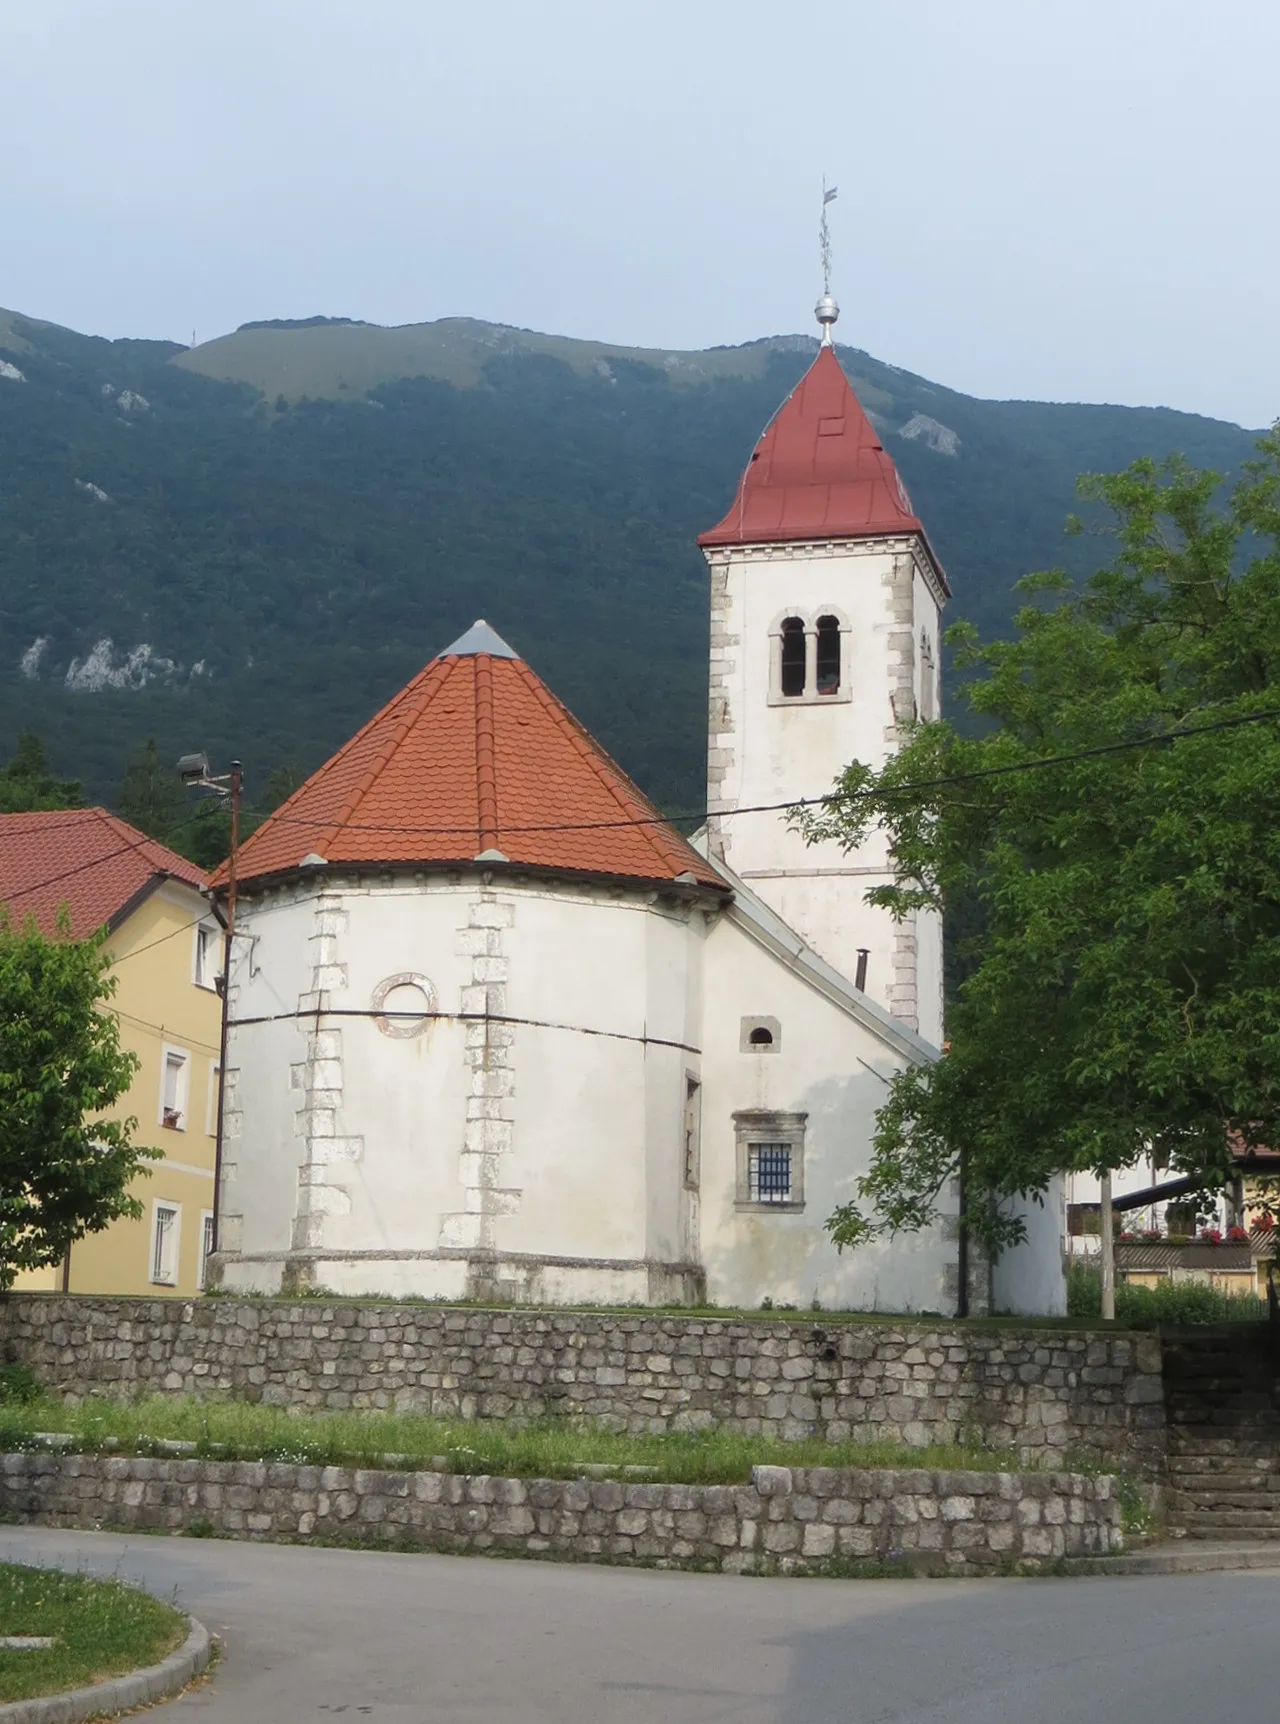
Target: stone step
{"x":1222,"y":1438}
{"x":1262,"y":1490}
{"x":1220,"y":1393}
{"x":1213,"y":1533}
{"x":1214,"y":1529}
{"x":1185,"y":1501}
{"x":1197,"y":1484}
{"x":1234,"y":1523}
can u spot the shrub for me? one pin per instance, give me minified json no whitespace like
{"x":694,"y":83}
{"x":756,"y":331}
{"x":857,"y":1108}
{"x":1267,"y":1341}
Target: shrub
{"x":1172,"y":1302}
{"x":18,"y":1385}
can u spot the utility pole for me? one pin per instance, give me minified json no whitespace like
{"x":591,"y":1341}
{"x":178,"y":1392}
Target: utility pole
{"x":193,"y":769}
{"x":1108,"y":1243}
{"x":237,"y":781}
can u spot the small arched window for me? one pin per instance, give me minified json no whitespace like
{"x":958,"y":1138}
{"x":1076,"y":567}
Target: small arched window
{"x":760,"y":1037}
{"x":828,"y":656}
{"x":791,"y":678}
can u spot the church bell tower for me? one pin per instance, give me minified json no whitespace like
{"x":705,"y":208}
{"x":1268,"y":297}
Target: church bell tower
{"x":826,"y":603}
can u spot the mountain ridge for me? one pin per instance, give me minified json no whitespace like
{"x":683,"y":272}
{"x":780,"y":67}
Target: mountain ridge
{"x":205,"y":546}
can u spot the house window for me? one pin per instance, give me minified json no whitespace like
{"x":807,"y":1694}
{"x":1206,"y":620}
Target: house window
{"x":208,"y":945}
{"x":206,"y":1245}
{"x":165,"y":1222}
{"x":770,"y":1159}
{"x":1083,"y":1219}
{"x":692,"y":1132}
{"x":828,"y":659}
{"x":792,"y":667}
{"x":174,"y":1081}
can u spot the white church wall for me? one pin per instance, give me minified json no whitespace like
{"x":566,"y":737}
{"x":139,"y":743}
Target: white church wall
{"x":1029,"y":1280}
{"x":536,"y":1133}
{"x":835,"y":1070}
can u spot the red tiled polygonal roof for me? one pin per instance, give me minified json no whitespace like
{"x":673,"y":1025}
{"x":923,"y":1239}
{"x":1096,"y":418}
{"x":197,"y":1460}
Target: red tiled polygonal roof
{"x":474,"y":759}
{"x":84,"y":858}
{"x":819,"y":471}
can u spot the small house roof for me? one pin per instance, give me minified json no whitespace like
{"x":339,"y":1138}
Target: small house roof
{"x":93,"y":862}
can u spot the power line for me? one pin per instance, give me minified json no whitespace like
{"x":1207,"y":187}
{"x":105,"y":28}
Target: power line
{"x":81,"y":868}
{"x":173,"y":933}
{"x":165,"y":1030}
{"x":812,"y":801}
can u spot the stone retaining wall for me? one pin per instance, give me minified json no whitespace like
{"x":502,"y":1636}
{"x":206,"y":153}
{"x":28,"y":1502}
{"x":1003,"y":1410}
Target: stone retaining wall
{"x":785,"y":1519}
{"x":1046,"y":1393}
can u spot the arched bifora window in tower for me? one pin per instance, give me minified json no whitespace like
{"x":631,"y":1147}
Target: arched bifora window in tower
{"x":792,"y":669}
{"x":828,"y":655}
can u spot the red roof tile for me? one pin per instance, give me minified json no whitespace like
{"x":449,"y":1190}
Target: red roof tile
{"x":84,"y":858}
{"x":818,"y":472}
{"x":476,"y":755}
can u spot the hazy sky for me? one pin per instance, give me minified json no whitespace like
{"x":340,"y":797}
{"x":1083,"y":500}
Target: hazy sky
{"x":1065,"y":199}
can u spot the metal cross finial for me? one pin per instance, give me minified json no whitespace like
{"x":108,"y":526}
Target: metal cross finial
{"x":826,"y":311}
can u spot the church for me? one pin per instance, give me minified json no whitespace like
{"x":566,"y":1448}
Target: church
{"x":497,"y":1031}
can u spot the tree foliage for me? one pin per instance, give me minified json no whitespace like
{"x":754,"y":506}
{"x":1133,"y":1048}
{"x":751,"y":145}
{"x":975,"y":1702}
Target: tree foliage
{"x":27,"y":783}
{"x":64,"y":1170}
{"x":1125,"y":988}
{"x":151,"y":798}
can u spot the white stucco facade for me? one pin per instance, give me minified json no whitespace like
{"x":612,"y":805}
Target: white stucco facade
{"x":562,"y":1109}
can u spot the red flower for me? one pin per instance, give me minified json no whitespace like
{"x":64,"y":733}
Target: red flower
{"x":1211,"y":1236}
{"x":1265,"y":1223}
{"x":1238,"y":1235}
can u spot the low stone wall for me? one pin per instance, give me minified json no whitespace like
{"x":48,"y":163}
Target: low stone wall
{"x":1048,"y":1394}
{"x":786,"y":1519}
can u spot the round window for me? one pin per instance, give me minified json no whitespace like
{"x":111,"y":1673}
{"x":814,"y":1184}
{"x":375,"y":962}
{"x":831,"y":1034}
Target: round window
{"x":404,"y":1005}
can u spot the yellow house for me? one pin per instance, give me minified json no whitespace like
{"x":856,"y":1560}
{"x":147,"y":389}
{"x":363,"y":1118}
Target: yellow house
{"x":166,"y":952}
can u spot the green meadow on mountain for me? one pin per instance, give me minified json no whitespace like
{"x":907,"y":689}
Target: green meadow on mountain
{"x":250,"y":545}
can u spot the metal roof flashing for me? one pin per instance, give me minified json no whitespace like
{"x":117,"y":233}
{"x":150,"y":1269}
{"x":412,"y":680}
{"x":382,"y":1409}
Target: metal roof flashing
{"x":477,"y":639}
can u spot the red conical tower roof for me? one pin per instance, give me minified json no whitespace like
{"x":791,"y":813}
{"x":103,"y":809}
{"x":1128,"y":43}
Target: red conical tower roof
{"x":818,"y":472}
{"x":476,"y":760}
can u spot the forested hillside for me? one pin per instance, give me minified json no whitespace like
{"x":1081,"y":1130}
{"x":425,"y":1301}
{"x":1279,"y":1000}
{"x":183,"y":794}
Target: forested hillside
{"x":271,"y":533}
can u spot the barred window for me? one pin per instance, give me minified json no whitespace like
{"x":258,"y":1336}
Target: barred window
{"x":769,"y":1172}
{"x":770,"y":1159}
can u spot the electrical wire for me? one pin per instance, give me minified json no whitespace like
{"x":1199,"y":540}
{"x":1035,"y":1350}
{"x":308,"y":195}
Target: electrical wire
{"x":80,"y":868}
{"x":831,"y":797}
{"x":814,"y":801}
{"x":164,"y":1030}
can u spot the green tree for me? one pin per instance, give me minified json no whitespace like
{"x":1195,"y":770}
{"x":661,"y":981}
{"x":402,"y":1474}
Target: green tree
{"x":27,"y":785}
{"x":64,"y":1171}
{"x":151,"y":798}
{"x":1125,"y":989}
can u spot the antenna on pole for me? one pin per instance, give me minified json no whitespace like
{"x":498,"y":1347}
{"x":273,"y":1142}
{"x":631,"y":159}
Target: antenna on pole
{"x":826,"y":311}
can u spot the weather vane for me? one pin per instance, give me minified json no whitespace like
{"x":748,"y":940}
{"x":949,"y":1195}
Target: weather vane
{"x":826,"y":311}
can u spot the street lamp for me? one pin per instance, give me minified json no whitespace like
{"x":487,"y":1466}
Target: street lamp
{"x":193,"y":770}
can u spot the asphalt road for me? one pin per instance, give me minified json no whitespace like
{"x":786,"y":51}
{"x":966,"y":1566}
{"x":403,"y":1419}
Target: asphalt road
{"x":316,"y":1634}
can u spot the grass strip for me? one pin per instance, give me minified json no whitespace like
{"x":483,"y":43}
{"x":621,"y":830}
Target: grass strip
{"x":558,"y":1448}
{"x":100,"y":1628}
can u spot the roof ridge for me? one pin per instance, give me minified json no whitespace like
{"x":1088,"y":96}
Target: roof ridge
{"x":411,"y":697}
{"x":619,"y":785}
{"x":486,"y":774}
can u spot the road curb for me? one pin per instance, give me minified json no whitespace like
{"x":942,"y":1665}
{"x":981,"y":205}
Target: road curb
{"x":1182,"y":1558}
{"x":121,"y":1693}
